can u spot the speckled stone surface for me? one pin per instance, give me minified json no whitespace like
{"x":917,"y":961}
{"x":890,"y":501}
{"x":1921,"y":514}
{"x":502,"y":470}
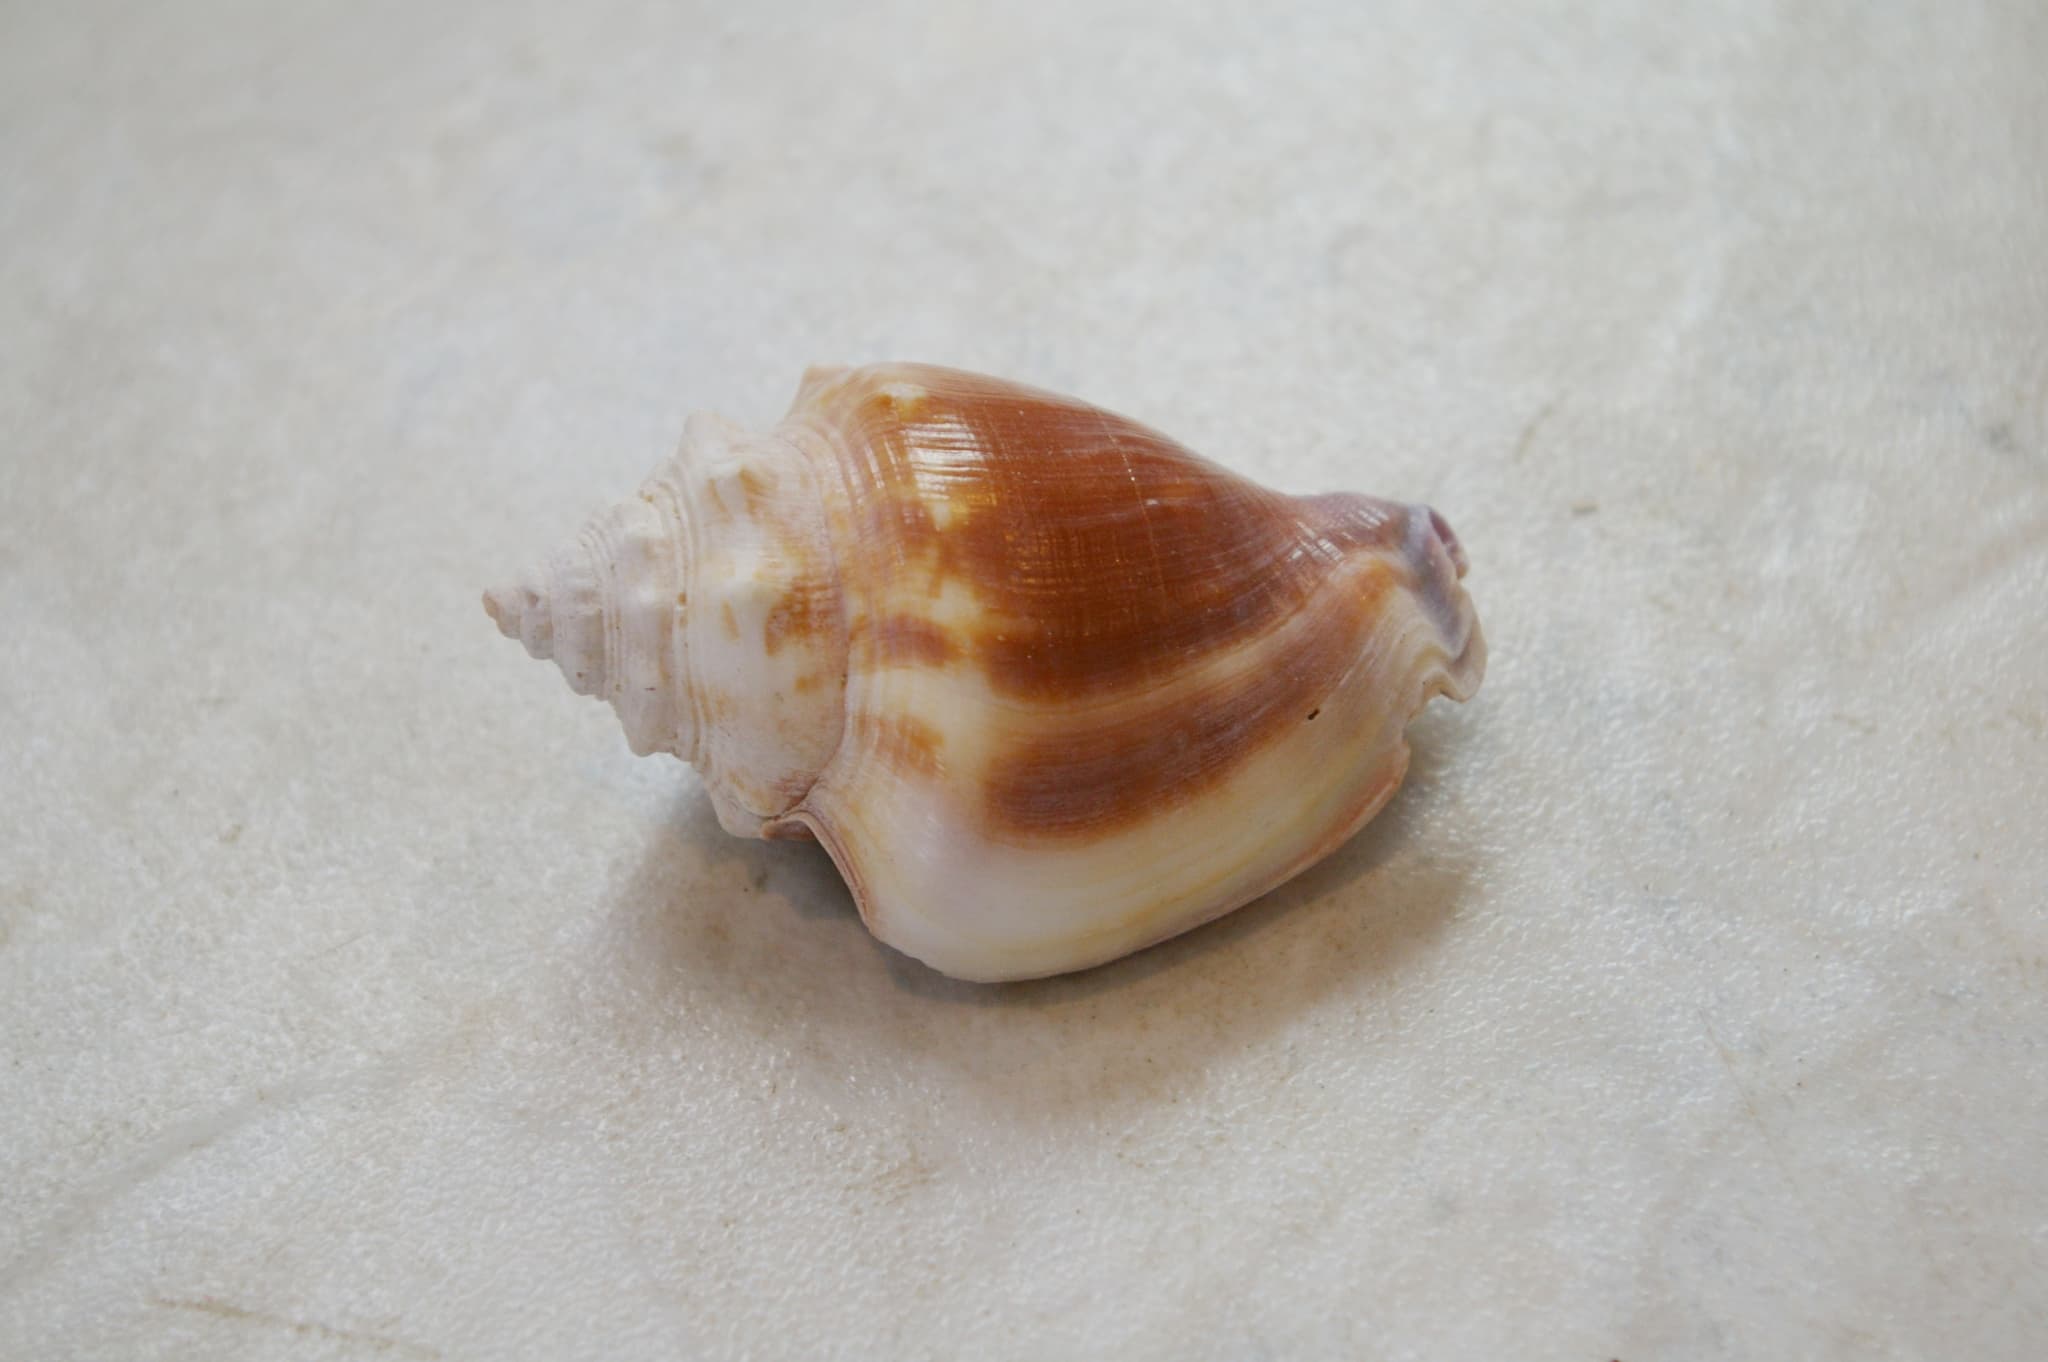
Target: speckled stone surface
{"x":361,"y":997}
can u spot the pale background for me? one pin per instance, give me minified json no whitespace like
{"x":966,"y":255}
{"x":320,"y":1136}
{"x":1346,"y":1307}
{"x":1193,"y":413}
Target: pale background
{"x":361,"y":997}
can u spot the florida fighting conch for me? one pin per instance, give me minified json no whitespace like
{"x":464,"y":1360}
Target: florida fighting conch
{"x":1047,"y":686}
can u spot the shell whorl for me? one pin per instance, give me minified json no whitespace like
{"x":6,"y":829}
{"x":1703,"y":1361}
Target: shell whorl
{"x":604,"y":607}
{"x":705,"y":611}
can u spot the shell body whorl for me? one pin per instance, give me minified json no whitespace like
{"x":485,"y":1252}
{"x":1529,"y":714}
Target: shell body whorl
{"x":1048,"y":686}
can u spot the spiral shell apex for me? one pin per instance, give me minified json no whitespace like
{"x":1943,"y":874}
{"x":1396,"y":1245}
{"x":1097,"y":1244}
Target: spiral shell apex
{"x":1046,"y":685}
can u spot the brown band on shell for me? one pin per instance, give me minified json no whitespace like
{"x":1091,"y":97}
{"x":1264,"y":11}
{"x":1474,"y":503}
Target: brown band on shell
{"x":1103,"y":554}
{"x":1091,"y":775}
{"x":1107,"y":565}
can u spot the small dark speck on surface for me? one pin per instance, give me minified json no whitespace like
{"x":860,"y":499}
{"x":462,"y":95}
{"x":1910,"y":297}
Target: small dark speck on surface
{"x":1585,"y":507}
{"x":1317,"y":710}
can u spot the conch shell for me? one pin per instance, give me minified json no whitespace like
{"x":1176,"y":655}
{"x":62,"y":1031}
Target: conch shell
{"x":1047,"y":686}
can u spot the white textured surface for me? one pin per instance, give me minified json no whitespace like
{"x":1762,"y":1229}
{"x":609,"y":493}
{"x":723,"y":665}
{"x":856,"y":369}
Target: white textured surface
{"x":361,"y":997}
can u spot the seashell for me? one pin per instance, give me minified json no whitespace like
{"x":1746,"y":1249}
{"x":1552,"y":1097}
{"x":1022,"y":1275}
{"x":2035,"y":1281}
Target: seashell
{"x":1047,"y":686}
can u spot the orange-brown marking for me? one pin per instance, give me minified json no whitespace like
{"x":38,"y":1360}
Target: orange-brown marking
{"x":913,"y":641}
{"x":1089,"y":776}
{"x":907,"y":745}
{"x":1104,"y":554}
{"x":1105,"y":559}
{"x":727,"y":618}
{"x":808,"y":606}
{"x":753,"y":487}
